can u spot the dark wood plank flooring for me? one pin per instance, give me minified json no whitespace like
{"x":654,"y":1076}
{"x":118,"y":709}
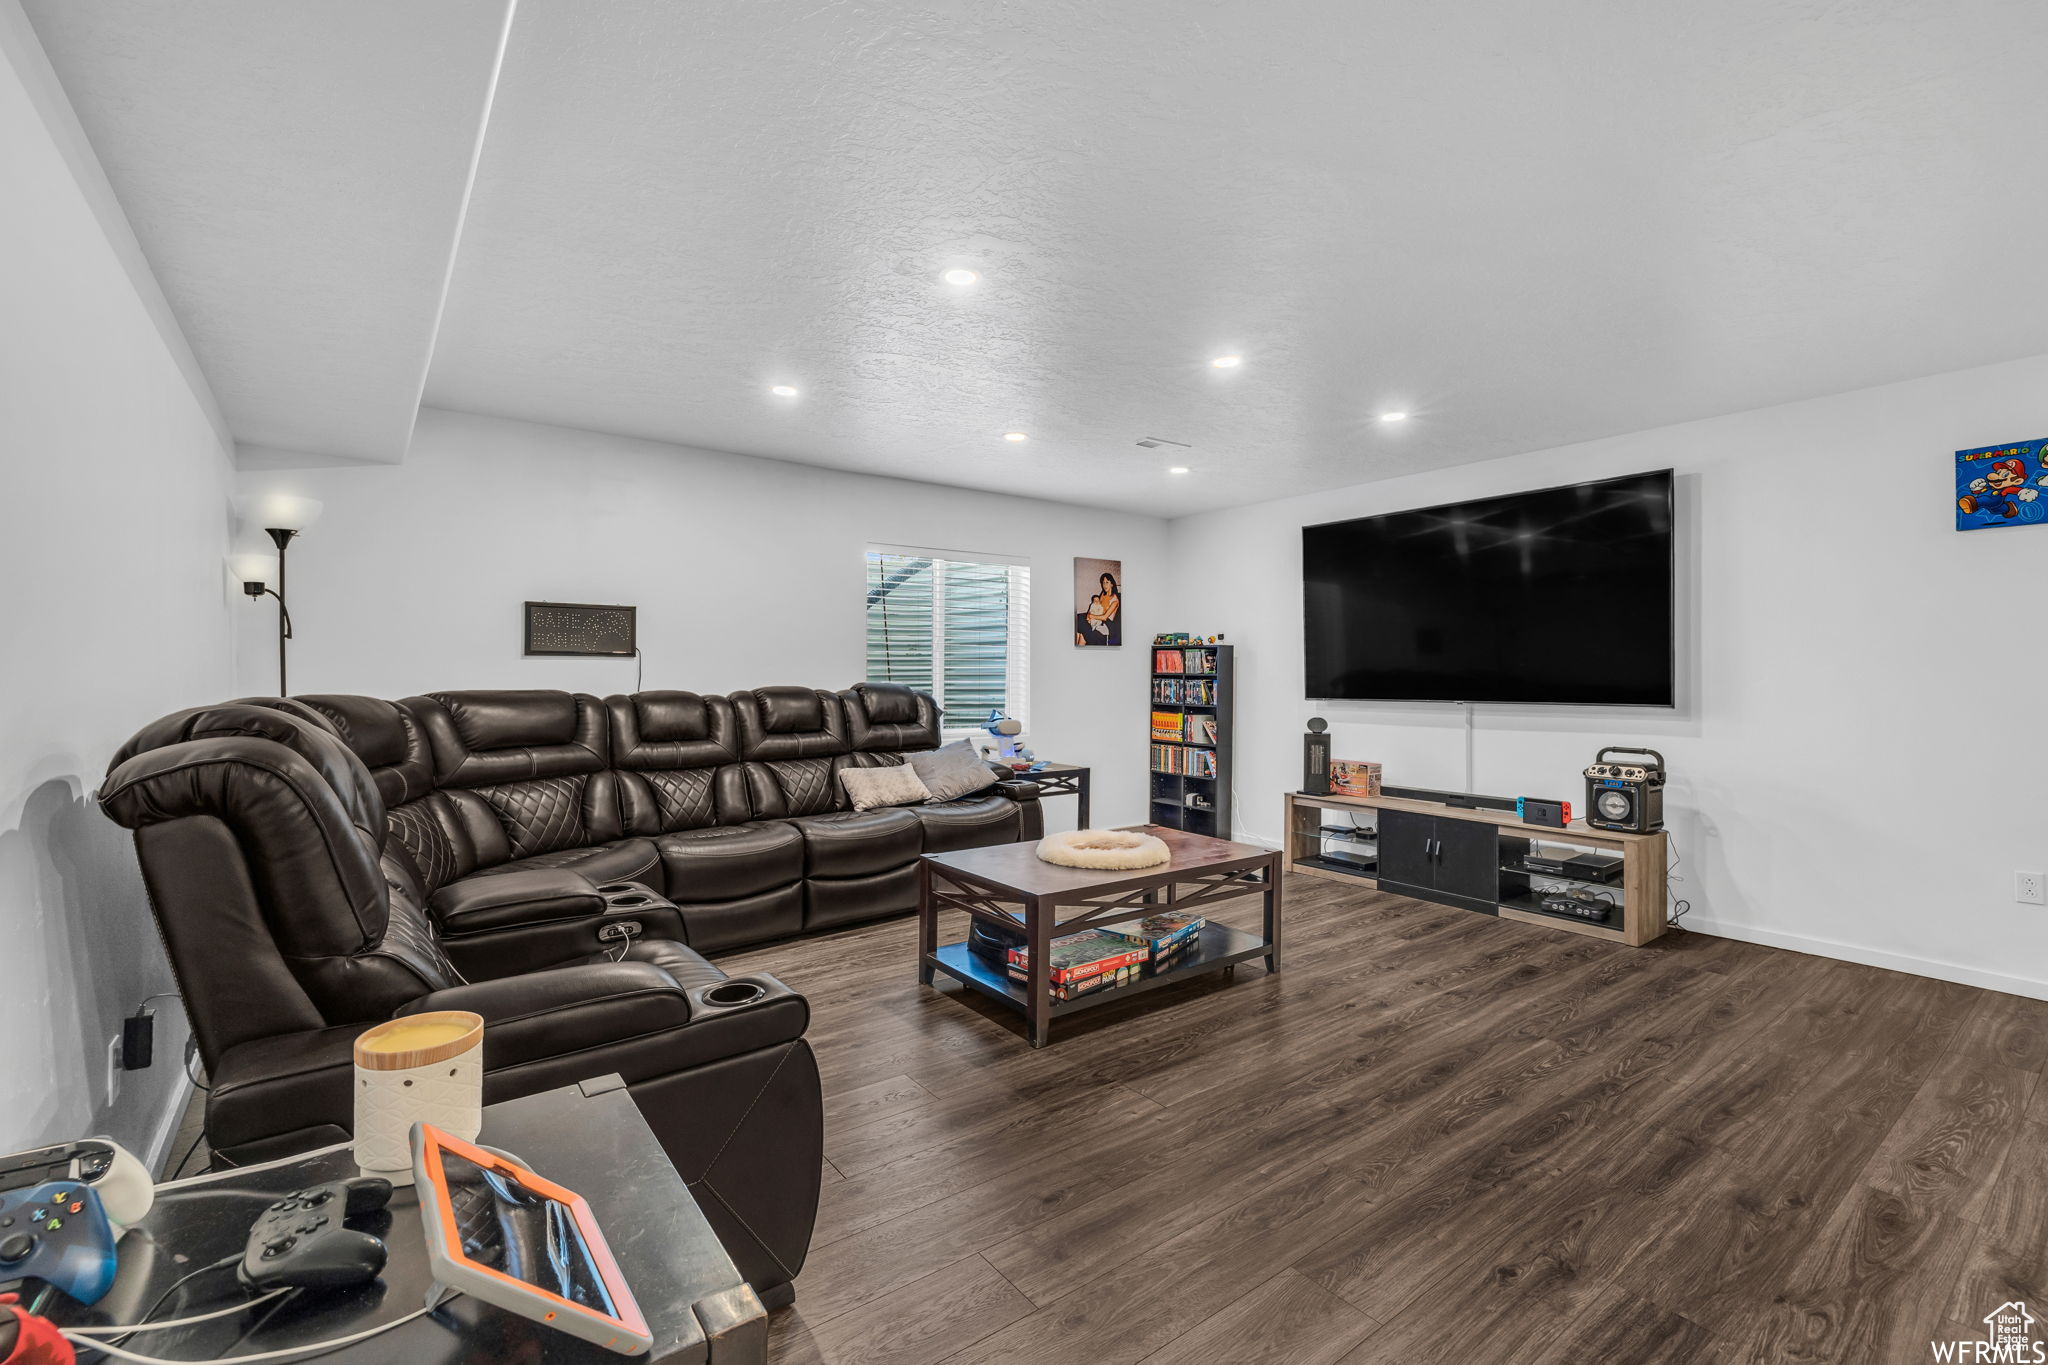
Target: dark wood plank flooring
{"x":1435,"y":1136}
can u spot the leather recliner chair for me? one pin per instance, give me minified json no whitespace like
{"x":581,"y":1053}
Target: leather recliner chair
{"x":292,"y":921}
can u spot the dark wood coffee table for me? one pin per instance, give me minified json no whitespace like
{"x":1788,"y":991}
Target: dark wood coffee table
{"x":1012,"y":886}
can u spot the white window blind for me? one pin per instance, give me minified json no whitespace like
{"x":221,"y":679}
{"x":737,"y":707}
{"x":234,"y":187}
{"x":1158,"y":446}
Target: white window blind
{"x":957,"y":628}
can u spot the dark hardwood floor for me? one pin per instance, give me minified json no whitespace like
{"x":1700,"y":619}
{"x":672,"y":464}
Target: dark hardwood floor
{"x":1435,"y":1136}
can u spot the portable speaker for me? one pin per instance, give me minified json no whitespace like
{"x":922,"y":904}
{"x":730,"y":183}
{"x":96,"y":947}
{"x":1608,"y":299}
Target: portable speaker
{"x":1315,"y":758}
{"x":1625,"y":797}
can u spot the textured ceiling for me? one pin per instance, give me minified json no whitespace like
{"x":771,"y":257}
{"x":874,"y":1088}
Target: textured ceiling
{"x":1527,"y":224}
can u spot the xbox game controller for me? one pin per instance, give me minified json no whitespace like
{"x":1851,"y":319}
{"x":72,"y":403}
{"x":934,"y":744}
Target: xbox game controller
{"x":58,"y":1232}
{"x":300,"y":1241}
{"x":118,"y":1178}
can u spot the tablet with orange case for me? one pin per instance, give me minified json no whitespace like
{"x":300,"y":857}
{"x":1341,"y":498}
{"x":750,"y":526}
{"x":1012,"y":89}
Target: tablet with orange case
{"x":500,"y":1233}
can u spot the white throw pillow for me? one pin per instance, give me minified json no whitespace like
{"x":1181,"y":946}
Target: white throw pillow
{"x":898,"y":785}
{"x":953,"y":771}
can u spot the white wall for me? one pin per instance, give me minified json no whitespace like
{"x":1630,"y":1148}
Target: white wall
{"x":1860,"y":757}
{"x":746,"y":572}
{"x":114,"y":487}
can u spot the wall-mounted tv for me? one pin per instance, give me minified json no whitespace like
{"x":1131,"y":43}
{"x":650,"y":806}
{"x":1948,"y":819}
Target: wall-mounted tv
{"x":1561,"y":596}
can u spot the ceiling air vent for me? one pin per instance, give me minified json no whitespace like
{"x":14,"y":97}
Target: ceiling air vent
{"x":1154,"y":442}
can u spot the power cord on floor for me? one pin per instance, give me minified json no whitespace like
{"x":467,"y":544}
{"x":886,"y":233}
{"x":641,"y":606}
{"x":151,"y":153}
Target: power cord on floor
{"x":178,"y":1171}
{"x":1679,"y":908}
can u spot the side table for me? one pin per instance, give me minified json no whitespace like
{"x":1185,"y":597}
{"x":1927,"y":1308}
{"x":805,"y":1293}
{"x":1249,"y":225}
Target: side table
{"x":589,"y":1137}
{"x":1063,"y":779}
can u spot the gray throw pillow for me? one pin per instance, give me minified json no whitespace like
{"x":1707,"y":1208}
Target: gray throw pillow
{"x":952,"y":771}
{"x":895,"y":785}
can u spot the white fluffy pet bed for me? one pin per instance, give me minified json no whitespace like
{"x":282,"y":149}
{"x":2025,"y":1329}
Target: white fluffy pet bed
{"x":1115,"y":848}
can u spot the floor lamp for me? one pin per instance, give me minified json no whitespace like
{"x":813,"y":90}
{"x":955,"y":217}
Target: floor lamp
{"x":281,"y":517}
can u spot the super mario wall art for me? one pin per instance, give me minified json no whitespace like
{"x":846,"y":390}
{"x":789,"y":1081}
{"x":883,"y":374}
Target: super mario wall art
{"x":2002,"y":485}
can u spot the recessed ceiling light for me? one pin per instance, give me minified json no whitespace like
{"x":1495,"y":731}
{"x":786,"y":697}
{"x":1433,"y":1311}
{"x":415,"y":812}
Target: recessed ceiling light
{"x":1178,"y":469}
{"x":1013,"y":436}
{"x":784,"y":391}
{"x":1393,"y":417}
{"x":1227,"y":362}
{"x":959,"y":276}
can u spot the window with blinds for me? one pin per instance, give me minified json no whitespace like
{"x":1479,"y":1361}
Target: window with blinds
{"x":956,"y":628}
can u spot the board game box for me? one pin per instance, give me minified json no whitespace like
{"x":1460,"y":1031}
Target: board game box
{"x":1162,"y":934}
{"x":1076,"y":957}
{"x":1349,"y":777}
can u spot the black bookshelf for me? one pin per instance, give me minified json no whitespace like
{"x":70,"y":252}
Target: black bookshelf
{"x":1205,"y":764}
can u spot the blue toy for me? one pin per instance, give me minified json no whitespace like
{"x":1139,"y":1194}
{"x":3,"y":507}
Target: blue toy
{"x":59,"y":1233}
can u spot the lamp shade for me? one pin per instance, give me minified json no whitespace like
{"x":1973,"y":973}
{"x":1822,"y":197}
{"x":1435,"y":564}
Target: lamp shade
{"x":253,"y":568}
{"x":277,"y":511}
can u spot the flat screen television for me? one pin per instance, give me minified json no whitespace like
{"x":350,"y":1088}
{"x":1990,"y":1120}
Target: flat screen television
{"x":1561,"y":596}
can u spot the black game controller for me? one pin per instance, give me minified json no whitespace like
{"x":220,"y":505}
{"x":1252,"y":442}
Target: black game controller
{"x":300,"y":1241}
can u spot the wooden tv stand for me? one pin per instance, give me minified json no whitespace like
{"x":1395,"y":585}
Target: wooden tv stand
{"x":1471,"y":859}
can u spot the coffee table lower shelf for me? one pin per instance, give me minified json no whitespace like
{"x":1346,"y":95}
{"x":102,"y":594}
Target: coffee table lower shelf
{"x":1221,"y":948}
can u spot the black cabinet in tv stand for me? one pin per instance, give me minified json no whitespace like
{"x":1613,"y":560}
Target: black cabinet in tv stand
{"x":1432,"y":858}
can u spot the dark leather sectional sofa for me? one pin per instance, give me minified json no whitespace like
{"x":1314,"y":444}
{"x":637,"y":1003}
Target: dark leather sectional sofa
{"x":559,"y":864}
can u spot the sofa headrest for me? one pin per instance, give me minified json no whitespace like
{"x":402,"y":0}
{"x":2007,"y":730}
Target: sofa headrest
{"x":385,"y":738}
{"x":884,"y":703}
{"x":652,"y":730}
{"x":485,"y":738}
{"x":279,"y":721}
{"x":310,"y":852}
{"x":668,"y":717}
{"x":790,"y":710}
{"x":890,"y":718}
{"x":789,"y":722}
{"x":370,"y":726}
{"x":510,"y":719}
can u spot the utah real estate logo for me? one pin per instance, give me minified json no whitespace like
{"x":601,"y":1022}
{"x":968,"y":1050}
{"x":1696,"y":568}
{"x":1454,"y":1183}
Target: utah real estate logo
{"x":2008,"y":1336}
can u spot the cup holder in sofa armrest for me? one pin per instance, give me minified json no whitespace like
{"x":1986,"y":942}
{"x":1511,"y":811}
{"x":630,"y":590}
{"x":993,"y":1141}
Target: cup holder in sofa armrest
{"x":729,"y":994}
{"x":738,"y":995}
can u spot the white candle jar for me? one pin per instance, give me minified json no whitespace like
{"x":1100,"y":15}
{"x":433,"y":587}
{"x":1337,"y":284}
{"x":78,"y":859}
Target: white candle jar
{"x":424,"y":1068}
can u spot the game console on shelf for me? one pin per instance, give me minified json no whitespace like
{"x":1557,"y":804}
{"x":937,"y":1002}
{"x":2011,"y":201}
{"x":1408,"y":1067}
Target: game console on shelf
{"x":1580,"y":903}
{"x":1534,"y":810}
{"x":63,"y":1208}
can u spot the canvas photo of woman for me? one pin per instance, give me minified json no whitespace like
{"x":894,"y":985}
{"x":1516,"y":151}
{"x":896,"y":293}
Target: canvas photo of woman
{"x":1098,"y":602}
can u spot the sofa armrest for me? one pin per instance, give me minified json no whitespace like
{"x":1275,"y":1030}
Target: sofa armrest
{"x":541,"y":1030}
{"x":629,"y":1016}
{"x":291,"y":1081}
{"x":1019,"y":791}
{"x":508,"y":924}
{"x":506,"y":900}
{"x":569,"y":1009}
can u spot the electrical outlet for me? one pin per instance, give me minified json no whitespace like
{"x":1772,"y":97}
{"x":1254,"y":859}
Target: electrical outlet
{"x":113,"y":1070}
{"x":2026,"y":888}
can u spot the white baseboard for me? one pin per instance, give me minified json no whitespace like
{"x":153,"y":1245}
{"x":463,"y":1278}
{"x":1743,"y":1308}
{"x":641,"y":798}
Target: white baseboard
{"x":166,"y":1130}
{"x":1872,"y":957}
